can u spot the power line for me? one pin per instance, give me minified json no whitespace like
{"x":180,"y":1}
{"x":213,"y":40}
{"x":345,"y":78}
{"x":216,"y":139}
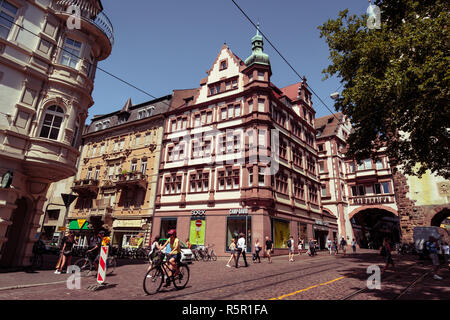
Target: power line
{"x":282,"y":57}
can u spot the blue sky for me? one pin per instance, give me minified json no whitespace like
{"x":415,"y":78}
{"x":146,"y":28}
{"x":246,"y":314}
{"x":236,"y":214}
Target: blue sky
{"x":165,"y":45}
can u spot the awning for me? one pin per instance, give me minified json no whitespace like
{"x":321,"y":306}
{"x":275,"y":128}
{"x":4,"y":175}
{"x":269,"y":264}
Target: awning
{"x":79,"y":224}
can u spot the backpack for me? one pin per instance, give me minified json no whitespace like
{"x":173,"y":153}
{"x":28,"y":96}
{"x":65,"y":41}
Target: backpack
{"x":289,"y":243}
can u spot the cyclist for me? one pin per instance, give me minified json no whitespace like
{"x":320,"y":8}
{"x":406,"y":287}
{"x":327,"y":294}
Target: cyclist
{"x":96,"y":243}
{"x":175,"y":255}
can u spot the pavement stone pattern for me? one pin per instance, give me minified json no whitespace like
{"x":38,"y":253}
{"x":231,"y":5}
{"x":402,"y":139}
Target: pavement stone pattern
{"x":307,"y":278}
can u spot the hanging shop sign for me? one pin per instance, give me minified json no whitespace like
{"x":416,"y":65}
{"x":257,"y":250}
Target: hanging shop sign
{"x":238,"y":211}
{"x":198,"y":212}
{"x":80,"y":224}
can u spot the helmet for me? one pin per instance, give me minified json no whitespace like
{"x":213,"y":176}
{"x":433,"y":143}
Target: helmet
{"x":172,"y":232}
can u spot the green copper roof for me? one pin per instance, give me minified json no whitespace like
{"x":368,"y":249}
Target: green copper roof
{"x":257,"y":56}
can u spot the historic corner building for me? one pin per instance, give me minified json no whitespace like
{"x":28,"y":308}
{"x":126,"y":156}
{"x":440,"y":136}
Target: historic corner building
{"x":361,"y":194}
{"x":239,"y":156}
{"x":47,"y":76}
{"x":116,"y":180}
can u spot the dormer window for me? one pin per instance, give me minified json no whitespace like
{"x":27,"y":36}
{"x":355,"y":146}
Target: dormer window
{"x":147,"y":112}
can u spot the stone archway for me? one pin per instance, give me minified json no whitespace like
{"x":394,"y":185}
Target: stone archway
{"x":439,"y":217}
{"x":371,"y":224}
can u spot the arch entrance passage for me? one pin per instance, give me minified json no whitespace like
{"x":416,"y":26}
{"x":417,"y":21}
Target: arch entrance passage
{"x":372,"y":225}
{"x":441,"y":219}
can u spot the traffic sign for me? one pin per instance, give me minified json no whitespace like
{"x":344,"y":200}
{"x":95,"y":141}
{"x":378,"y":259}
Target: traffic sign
{"x":198,"y":223}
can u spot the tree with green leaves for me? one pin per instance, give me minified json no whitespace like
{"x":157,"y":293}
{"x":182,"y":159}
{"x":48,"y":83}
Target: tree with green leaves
{"x":396,"y":82}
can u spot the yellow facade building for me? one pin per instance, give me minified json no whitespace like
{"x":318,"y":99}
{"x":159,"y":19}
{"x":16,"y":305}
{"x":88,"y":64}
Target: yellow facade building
{"x":117,"y":175}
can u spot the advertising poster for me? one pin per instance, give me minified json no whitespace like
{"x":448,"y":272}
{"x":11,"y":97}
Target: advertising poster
{"x":197,"y":232}
{"x":281,"y":233}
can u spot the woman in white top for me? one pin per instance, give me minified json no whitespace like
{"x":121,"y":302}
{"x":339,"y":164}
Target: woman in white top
{"x":153,"y":251}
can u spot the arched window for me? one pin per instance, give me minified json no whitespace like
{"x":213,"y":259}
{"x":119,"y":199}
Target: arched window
{"x":52,"y":123}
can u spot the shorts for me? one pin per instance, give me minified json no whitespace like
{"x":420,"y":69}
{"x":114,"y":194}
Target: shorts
{"x":300,"y":247}
{"x":434,"y":259}
{"x":269,"y":252}
{"x":176,"y":256}
{"x":291,"y":250}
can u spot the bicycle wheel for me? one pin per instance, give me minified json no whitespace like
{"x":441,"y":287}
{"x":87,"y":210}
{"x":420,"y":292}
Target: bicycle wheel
{"x":213,"y":256}
{"x":182,"y":279}
{"x":111,"y":265}
{"x":205,"y":256}
{"x":153,"y":280}
{"x":85,"y":266}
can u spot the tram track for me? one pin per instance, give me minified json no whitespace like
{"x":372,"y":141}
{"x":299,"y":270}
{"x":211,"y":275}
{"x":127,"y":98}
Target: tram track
{"x":410,"y":284}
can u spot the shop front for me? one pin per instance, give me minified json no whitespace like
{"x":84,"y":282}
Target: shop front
{"x":130,"y":233}
{"x":238,"y":221}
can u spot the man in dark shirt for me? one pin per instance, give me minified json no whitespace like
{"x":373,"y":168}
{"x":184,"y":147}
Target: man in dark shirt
{"x":269,"y":248}
{"x":95,"y":244}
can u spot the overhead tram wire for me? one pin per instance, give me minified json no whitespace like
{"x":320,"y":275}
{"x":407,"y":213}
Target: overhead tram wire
{"x":99,"y":68}
{"x":285,"y":60}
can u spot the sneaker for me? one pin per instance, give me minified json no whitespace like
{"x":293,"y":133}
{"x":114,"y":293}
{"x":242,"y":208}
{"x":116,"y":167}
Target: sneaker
{"x":57,"y":272}
{"x":228,"y":266}
{"x":436,"y":277}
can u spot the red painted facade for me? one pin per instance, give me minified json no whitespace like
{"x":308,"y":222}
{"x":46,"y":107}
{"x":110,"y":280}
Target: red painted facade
{"x":239,"y":154}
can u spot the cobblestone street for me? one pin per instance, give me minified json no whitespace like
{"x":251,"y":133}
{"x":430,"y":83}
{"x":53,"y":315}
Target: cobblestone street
{"x":323,"y":277}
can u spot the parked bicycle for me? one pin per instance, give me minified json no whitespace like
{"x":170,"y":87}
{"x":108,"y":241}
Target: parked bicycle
{"x":209,"y":255}
{"x":159,"y":274}
{"x":89,"y":267}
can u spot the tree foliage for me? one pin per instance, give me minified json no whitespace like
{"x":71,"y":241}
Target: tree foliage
{"x":396,"y":82}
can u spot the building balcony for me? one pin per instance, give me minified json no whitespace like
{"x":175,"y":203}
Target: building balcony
{"x":85,"y":187}
{"x":132,"y":179}
{"x":91,"y":19}
{"x":373,"y":199}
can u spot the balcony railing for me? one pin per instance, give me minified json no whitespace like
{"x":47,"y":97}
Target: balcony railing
{"x":85,"y":186}
{"x":133,"y":178}
{"x":90,"y":13}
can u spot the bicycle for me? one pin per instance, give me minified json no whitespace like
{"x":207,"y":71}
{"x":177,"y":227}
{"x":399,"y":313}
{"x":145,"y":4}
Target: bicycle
{"x":209,"y":255}
{"x":88,"y":267}
{"x":159,"y":273}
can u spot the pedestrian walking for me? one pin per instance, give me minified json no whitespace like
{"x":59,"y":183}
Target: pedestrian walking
{"x":241,"y":248}
{"x":445,"y":249}
{"x":155,"y":247}
{"x":312,"y":248}
{"x":232,"y":248}
{"x":291,"y":248}
{"x":432,"y":248}
{"x":60,"y":259}
{"x":354,"y":246}
{"x":336,"y":247}
{"x":66,"y":252}
{"x":343,"y":245}
{"x":269,"y":248}
{"x":330,"y":248}
{"x":386,"y":252}
{"x":258,"y":249}
{"x":300,"y":246}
